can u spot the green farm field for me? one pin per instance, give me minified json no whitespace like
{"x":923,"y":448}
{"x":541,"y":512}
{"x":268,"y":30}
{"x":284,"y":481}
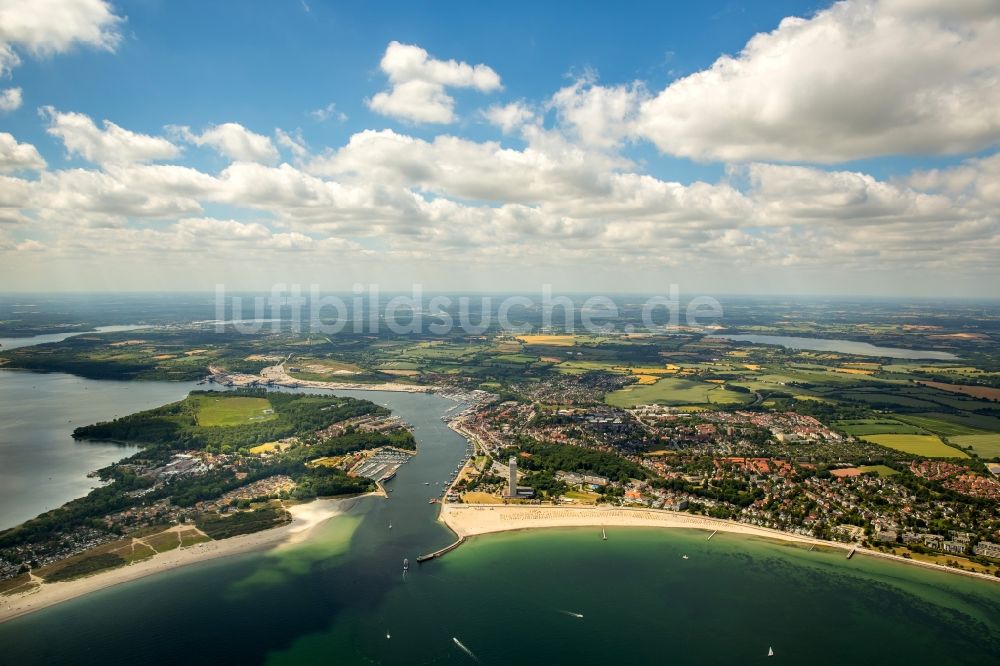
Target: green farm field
{"x":675,"y":391}
{"x":929,"y":446}
{"x":862,"y":427}
{"x":985,"y":445}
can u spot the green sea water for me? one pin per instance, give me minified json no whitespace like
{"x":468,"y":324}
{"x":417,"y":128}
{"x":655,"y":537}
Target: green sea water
{"x":548,"y":596}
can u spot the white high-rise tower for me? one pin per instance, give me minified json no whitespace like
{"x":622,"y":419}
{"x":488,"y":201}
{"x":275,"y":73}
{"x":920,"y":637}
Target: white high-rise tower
{"x":512,"y":483}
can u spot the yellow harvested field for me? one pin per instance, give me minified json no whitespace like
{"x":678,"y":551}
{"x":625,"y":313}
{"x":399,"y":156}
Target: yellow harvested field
{"x":481,"y":498}
{"x":652,"y":371}
{"x":645,"y":380}
{"x":127,"y":343}
{"x":550,"y":340}
{"x":269,"y":447}
{"x":751,"y":366}
{"x":854,"y":371}
{"x":326,"y":461}
{"x":960,"y":336}
{"x":982,"y":392}
{"x":716,"y":381}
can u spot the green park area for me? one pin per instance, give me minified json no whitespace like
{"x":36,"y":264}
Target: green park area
{"x":222,"y":410}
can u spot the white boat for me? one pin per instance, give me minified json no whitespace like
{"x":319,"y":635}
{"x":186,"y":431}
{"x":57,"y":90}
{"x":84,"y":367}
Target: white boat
{"x":406,"y":564}
{"x":604,"y":535}
{"x":684,"y":556}
{"x":390,"y":524}
{"x":770,"y":651}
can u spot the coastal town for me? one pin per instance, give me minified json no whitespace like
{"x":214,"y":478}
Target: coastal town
{"x":722,"y":464}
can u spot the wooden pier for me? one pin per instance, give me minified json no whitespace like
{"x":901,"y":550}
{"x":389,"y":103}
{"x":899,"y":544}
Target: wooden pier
{"x":712,"y":535}
{"x":851,"y":554}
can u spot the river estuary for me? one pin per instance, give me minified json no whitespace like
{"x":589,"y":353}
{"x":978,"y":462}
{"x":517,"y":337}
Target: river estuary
{"x":550,"y":596}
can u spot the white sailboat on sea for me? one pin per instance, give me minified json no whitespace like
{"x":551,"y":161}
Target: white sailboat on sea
{"x":770,"y":651}
{"x":604,"y":534}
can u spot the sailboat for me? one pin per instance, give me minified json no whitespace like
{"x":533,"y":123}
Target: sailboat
{"x":770,"y":651}
{"x":604,"y":534}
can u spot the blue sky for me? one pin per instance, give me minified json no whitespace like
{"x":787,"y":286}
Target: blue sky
{"x":730,"y":146}
{"x":268,"y":64}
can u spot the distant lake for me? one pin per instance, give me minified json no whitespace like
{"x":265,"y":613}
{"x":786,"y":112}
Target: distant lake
{"x":842,"y":346}
{"x":14,"y":343}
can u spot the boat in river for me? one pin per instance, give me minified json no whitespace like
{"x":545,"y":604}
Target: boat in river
{"x":406,"y":564}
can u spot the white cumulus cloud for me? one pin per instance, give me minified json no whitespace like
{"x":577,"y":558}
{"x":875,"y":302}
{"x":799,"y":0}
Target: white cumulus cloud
{"x":418,"y":84}
{"x":509,"y":117}
{"x":110,"y":145}
{"x":598,"y":116}
{"x":47,"y":27}
{"x":859,"y":79}
{"x":10,"y":99}
{"x":15,"y":156}
{"x":234,"y":141}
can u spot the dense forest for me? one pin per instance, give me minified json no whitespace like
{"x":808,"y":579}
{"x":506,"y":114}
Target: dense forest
{"x":175,"y":426}
{"x":549,"y":457}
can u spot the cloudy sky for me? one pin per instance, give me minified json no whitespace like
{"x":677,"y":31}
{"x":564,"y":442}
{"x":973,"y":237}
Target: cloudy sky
{"x":737,"y":147}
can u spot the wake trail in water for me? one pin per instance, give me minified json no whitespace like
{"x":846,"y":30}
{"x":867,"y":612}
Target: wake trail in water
{"x":571,"y":613}
{"x":465,"y":649}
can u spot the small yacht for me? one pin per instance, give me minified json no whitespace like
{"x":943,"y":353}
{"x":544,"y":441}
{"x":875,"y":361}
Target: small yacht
{"x":770,"y":651}
{"x":684,"y":557}
{"x":406,"y":564}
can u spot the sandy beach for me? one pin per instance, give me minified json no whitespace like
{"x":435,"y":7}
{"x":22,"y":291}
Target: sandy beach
{"x":472,"y":519}
{"x":305,"y":518}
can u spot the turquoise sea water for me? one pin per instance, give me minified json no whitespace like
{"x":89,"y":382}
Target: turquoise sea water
{"x":517,"y":597}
